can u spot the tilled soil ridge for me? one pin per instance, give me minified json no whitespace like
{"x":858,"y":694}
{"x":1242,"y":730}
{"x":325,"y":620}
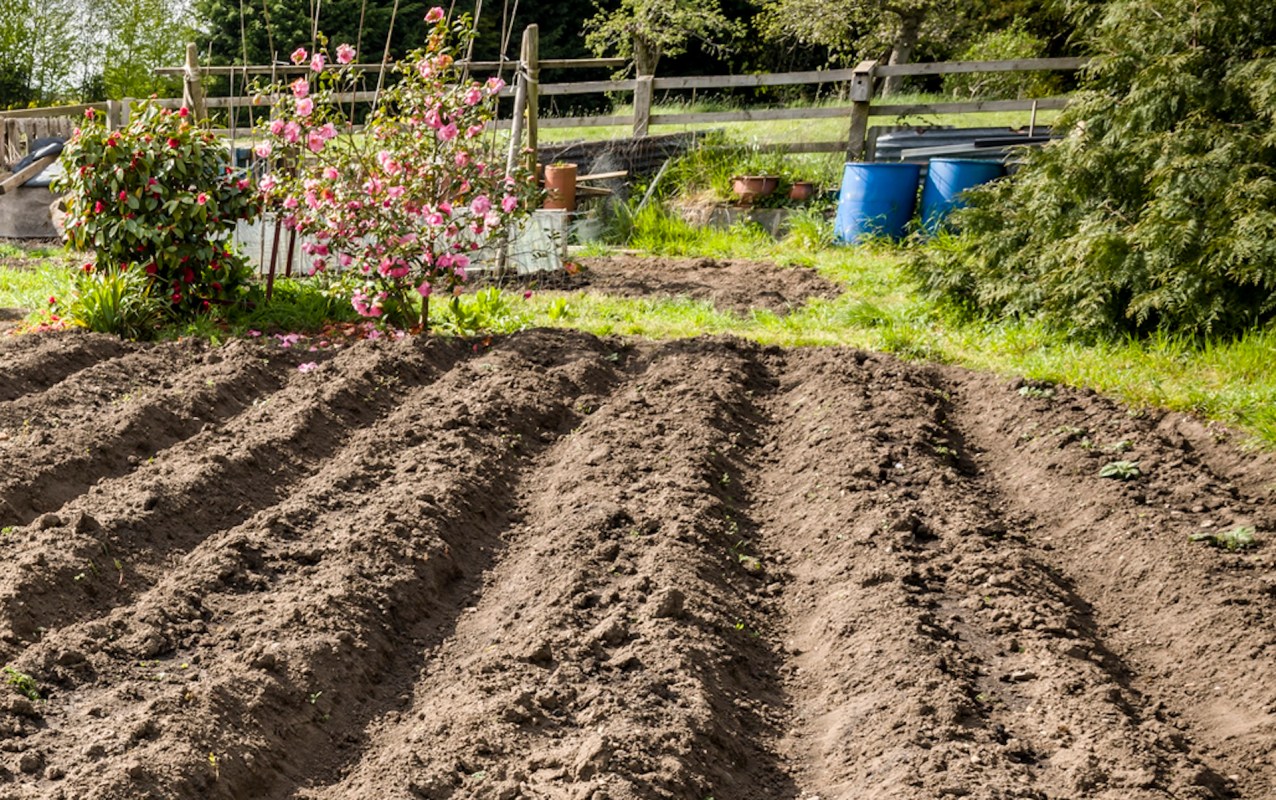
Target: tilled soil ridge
{"x":565,"y":567}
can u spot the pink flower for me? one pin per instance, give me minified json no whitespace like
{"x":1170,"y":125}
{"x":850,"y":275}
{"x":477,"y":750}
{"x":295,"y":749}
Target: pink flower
{"x":462,"y":158}
{"x":494,"y":85}
{"x":473,"y":96}
{"x":292,"y":132}
{"x":309,"y":366}
{"x":276,"y":127}
{"x":448,"y":132}
{"x":290,"y":202}
{"x":316,"y":63}
{"x":264,"y":149}
{"x":425,"y":289}
{"x":481,"y":205}
{"x":300,"y":88}
{"x":329,"y":131}
{"x":304,"y":106}
{"x":201,"y":198}
{"x":314,"y":140}
{"x":268,"y":183}
{"x":254,"y":333}
{"x":472,"y":131}
{"x":89,"y":113}
{"x":345,"y":54}
{"x":434,"y":15}
{"x":331,"y":173}
{"x":299,"y":55}
{"x":509,"y":203}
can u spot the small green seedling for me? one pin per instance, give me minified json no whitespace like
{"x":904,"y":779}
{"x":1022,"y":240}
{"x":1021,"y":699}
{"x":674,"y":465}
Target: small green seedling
{"x":1036,"y":392}
{"x":24,"y":683}
{"x":1238,"y":538}
{"x":1121,"y":470}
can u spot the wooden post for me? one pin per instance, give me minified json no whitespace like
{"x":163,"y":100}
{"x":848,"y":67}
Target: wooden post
{"x":113,"y":115}
{"x":642,"y":104}
{"x":532,"y":64}
{"x":861,"y":98}
{"x":126,"y":111}
{"x":193,"y":85}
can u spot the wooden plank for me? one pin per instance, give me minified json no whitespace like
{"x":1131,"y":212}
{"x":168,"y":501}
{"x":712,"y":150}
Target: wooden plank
{"x":1013,"y":65}
{"x":643,"y":95}
{"x":587,"y":87}
{"x":973,"y":107}
{"x":573,"y":122}
{"x":602,"y":176}
{"x":297,"y":69}
{"x":25,"y":174}
{"x":583,"y":63}
{"x":768,"y":79}
{"x":531,"y":62}
{"x":192,"y":85}
{"x":53,"y":111}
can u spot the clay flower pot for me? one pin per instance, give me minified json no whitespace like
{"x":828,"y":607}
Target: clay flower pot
{"x":560,"y":186}
{"x":750,"y":187}
{"x":801,"y":191}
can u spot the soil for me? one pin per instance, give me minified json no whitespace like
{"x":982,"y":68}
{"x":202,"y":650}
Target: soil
{"x":731,"y":285}
{"x":557,"y":566}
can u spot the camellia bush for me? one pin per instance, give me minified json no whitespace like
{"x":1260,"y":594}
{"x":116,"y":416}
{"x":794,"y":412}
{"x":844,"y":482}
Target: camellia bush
{"x":161,"y":197}
{"x":410,"y":201}
{"x":1157,"y":210}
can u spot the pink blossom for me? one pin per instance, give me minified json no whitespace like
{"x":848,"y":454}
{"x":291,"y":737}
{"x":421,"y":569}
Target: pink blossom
{"x":268,"y":183}
{"x":344,"y":259}
{"x":254,"y":333}
{"x":290,"y":202}
{"x":264,"y":149}
{"x":300,"y":88}
{"x":509,"y":203}
{"x":329,"y":131}
{"x":448,"y":132}
{"x":434,"y":15}
{"x":304,"y":106}
{"x":299,"y":55}
{"x":201,"y":198}
{"x":276,"y":127}
{"x":481,"y":205}
{"x":331,"y":173}
{"x":494,"y":85}
{"x":292,"y":131}
{"x":473,"y":96}
{"x":316,"y":63}
{"x":461,"y":159}
{"x":345,"y":54}
{"x":314,"y":140}
{"x":472,"y":131}
{"x":425,"y":289}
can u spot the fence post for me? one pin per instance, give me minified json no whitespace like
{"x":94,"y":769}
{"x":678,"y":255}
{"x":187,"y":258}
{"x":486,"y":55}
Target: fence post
{"x":532,"y":63}
{"x":192,"y":84}
{"x":642,"y":104}
{"x":861,"y":97}
{"x":126,"y":111}
{"x":113,"y":114}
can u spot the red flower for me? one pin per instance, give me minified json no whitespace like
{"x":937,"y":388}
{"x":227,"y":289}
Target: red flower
{"x":53,"y":301}
{"x":151,"y":269}
{"x":201,"y":198}
{"x":173,"y":142}
{"x":123,"y":196}
{"x":183,"y":112}
{"x":177,"y":297}
{"x":98,"y":208}
{"x":89,"y":113}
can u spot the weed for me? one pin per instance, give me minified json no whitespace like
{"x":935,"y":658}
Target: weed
{"x":559,"y":310}
{"x":1239,"y":538}
{"x":1121,"y":470}
{"x":1037,"y":392}
{"x":122,"y":302}
{"x":24,"y":683}
{"x":1123,"y":446}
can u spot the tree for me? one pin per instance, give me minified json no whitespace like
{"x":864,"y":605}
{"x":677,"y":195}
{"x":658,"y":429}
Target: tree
{"x":37,"y":49}
{"x":144,"y":34}
{"x":647,"y":30}
{"x":1158,"y":209}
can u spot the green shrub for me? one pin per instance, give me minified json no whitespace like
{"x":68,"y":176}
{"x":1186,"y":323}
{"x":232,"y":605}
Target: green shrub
{"x":1158,"y":209}
{"x":159,"y":194}
{"x":118,"y":301}
{"x":1009,"y":43}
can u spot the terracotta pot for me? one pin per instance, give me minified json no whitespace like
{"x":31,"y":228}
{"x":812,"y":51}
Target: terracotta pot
{"x":560,"y":185}
{"x":750,"y":187}
{"x":801,"y":191}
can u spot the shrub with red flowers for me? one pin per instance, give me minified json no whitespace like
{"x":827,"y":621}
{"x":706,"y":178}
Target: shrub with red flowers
{"x":159,"y":196}
{"x":409,"y":203}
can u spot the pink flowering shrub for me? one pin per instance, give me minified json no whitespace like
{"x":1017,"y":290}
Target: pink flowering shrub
{"x":407,"y":204}
{"x":158,"y":196}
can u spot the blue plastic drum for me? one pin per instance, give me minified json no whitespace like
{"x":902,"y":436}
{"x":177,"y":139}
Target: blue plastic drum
{"x":946,"y":179}
{"x":876,"y":200}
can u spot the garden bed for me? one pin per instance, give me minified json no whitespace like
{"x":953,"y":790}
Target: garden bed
{"x":554,"y":565}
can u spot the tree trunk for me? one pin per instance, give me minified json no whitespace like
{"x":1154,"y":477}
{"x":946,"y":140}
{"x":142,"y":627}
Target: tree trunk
{"x":645,"y":57}
{"x":910,"y":26}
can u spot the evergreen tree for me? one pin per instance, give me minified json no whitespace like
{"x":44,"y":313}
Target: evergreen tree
{"x":1158,"y":208}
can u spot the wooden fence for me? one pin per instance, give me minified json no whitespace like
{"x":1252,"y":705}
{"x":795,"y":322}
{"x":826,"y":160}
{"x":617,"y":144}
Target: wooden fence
{"x":856,"y":84}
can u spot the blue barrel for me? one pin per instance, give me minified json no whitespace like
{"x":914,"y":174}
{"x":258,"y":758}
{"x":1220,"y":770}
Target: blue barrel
{"x":946,"y":179}
{"x":876,"y":200}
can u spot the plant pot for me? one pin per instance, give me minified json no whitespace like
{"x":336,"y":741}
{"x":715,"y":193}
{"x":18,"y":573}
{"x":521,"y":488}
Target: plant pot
{"x":750,"y":187}
{"x":801,"y":191}
{"x":560,"y":186}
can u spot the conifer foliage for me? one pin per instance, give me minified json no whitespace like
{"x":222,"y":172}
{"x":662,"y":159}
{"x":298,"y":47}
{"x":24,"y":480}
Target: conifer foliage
{"x":1157,"y":211}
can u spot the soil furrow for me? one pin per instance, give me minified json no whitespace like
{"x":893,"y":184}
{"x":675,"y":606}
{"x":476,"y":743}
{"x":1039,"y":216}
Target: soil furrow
{"x":36,"y":362}
{"x":1192,"y":626}
{"x":271,"y":644}
{"x":612,"y":651}
{"x":62,"y":463}
{"x":118,"y":538}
